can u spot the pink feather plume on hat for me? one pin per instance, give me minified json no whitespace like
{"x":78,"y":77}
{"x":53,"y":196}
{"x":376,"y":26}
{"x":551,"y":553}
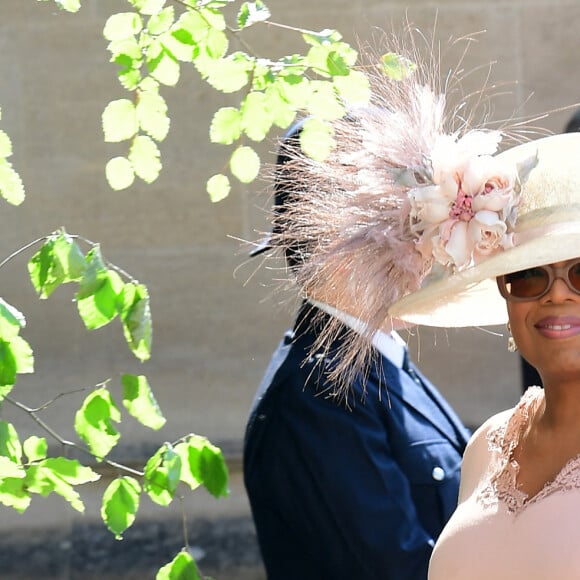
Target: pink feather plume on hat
{"x":356,"y":217}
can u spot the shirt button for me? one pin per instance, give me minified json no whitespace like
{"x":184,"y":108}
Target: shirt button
{"x":438,"y":474}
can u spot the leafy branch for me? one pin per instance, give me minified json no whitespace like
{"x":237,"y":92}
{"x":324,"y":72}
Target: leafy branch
{"x":104,"y":292}
{"x":150,"y":44}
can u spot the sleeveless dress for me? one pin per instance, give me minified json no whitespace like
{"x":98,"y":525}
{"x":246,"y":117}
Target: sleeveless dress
{"x":497,"y":532}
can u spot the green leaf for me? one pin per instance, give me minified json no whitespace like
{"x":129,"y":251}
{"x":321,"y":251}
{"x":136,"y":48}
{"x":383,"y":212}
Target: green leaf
{"x":120,"y":121}
{"x":354,"y":88}
{"x":211,"y":50}
{"x":59,"y":261}
{"x":218,"y":187}
{"x":161,"y":21}
{"x":191,"y":28}
{"x":149,"y":85}
{"x":35,"y":448}
{"x":294,"y":66}
{"x":15,"y":353}
{"x":326,"y":62}
{"x":69,"y":5}
{"x":245,"y":164}
{"x":295,"y":90}
{"x":189,"y":474}
{"x":182,"y":567}
{"x":8,"y":363}
{"x":13,"y":493}
{"x":252,"y":12}
{"x":130,"y":78}
{"x":20,"y":355}
{"x":323,"y":102}
{"x":396,"y":66}
{"x":5,"y":145}
{"x":226,"y":126}
{"x":11,"y":187}
{"x":139,"y":400}
{"x":45,"y":480}
{"x":70,"y":470}
{"x":162,"y":65}
{"x":10,"y":446}
{"x":70,"y":257}
{"x":11,"y":320}
{"x":203,"y":464}
{"x":317,"y":139}
{"x":148,"y":6}
{"x":94,"y":273}
{"x":152,"y":115}
{"x":122,"y":25}
{"x":100,"y":307}
{"x":256,"y":117}
{"x":93,"y":422}
{"x":213,"y":15}
{"x":230,"y":74}
{"x":120,"y":504}
{"x":162,"y":475}
{"x":324,"y":37}
{"x":119,"y":173}
{"x":10,"y":469}
{"x":283,"y":113}
{"x":264,"y":74}
{"x":215,"y":45}
{"x":180,"y":44}
{"x":5,"y":390}
{"x":126,"y":51}
{"x":144,"y":156}
{"x":135,"y":313}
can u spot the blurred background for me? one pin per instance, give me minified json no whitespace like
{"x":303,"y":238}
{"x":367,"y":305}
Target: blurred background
{"x":217,"y":315}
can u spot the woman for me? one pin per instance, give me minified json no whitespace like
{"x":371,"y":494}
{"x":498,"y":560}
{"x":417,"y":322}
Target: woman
{"x":519,"y":507}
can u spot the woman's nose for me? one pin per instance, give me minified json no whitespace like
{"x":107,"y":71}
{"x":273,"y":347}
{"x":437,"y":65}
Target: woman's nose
{"x":560,"y":292}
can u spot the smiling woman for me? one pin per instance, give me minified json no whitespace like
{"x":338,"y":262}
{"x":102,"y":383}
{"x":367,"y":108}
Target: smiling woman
{"x":519,"y":507}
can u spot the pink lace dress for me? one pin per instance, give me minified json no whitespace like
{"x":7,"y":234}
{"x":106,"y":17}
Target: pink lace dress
{"x":497,"y":532}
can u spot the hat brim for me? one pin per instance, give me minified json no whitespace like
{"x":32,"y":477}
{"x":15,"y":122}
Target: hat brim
{"x":471,"y":297}
{"x":548,"y":230}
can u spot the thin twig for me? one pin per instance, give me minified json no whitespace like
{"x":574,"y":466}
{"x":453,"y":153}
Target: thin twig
{"x":184,"y":523}
{"x":62,"y":441}
{"x":20,"y":250}
{"x":51,"y":401}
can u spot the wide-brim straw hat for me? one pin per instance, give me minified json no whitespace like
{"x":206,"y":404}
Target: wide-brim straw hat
{"x":547,"y":230}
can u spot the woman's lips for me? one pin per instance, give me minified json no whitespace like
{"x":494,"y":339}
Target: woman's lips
{"x":558,"y":326}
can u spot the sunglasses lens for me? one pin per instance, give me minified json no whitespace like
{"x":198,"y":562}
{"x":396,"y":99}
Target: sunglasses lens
{"x":533,"y":282}
{"x":574,"y":276}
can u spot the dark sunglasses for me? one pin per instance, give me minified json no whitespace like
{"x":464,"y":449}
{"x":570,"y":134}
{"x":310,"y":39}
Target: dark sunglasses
{"x":534,"y":283}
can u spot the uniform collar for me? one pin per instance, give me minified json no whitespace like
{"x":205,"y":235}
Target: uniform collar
{"x":389,"y":344}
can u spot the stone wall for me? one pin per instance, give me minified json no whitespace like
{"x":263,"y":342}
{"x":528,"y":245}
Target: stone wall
{"x":216,"y":319}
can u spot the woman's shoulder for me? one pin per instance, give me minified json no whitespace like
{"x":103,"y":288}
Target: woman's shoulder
{"x":499,"y":426}
{"x":493,"y":438}
{"x":479,"y":452}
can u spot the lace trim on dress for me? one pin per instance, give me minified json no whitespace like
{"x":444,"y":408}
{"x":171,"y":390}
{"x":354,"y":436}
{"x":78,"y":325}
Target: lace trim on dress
{"x":502,"y":440}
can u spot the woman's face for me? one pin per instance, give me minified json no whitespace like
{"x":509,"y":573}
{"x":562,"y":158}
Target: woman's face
{"x":547,"y":329}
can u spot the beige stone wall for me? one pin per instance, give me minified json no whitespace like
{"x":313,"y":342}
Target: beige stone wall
{"x":215,"y":321}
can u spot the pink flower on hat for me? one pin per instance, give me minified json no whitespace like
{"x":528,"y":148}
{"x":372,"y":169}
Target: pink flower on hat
{"x":469,"y":208}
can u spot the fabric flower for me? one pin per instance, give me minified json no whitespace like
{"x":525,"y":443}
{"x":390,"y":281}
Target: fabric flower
{"x":467,"y":210}
{"x":487,"y":231}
